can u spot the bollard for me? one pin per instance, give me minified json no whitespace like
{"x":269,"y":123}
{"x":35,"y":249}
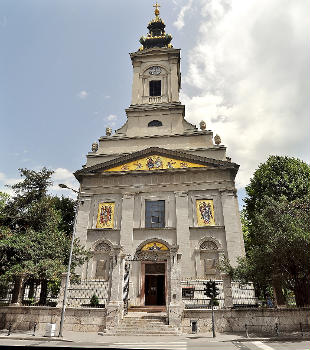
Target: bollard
{"x":34,"y":329}
{"x":301,"y":330}
{"x":9,"y":329}
{"x":246,"y":331}
{"x":277,"y":329}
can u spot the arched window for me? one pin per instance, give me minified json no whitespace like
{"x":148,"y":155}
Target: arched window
{"x":155,"y":123}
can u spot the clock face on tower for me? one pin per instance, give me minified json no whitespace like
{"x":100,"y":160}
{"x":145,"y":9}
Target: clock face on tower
{"x":155,"y":70}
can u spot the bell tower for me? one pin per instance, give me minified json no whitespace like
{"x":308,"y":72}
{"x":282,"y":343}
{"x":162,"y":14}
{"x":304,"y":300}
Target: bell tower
{"x":156,"y":67}
{"x":155,"y":107}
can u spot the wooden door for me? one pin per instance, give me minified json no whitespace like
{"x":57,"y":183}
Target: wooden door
{"x":151,"y":290}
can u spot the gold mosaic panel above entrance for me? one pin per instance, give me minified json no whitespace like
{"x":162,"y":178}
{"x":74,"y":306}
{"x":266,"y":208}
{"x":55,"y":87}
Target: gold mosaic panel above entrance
{"x":156,"y":162}
{"x":205,"y":212}
{"x":105,"y":218}
{"x":154,"y":246}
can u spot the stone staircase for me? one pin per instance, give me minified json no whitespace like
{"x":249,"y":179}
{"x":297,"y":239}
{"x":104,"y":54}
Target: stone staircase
{"x":143,"y":323}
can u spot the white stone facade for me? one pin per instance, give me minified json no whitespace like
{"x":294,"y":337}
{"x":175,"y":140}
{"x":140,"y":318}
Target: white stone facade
{"x":194,"y":251}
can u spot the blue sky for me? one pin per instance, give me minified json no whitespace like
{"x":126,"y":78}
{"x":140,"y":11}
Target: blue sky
{"x":66,"y":75}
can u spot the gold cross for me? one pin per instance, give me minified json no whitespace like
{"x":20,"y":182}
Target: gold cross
{"x":156,"y":8}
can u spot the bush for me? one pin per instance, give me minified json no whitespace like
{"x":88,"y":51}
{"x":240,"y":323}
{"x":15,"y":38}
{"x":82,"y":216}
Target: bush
{"x":94,"y":301}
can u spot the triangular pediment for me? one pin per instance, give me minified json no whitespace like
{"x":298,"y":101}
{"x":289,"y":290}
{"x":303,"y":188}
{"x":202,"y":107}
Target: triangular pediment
{"x":155,"y":159}
{"x":155,"y":162}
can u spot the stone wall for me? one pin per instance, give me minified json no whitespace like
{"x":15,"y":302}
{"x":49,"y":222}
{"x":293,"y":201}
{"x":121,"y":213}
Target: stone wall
{"x":76,"y":319}
{"x":258,"y":320}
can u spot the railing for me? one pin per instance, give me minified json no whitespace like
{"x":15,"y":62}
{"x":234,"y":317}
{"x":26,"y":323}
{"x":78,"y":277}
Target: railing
{"x":155,"y":99}
{"x":197,"y":303}
{"x":194,"y":298}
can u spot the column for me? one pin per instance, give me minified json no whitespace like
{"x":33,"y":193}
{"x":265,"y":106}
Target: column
{"x":234,"y":238}
{"x":176,"y":305}
{"x":182,"y":226}
{"x":174,"y":80}
{"x":136,"y":89}
{"x":82,"y":224}
{"x":115,"y":304}
{"x":126,"y":233}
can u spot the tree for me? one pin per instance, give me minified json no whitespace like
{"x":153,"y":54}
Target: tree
{"x":35,"y":238}
{"x":67,"y":208}
{"x":276,"y":220}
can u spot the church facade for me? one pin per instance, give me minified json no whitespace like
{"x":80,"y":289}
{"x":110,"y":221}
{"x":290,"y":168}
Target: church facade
{"x":158,"y":204}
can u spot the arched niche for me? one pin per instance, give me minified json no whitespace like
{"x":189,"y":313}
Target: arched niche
{"x":209,"y":251}
{"x":102,"y":257}
{"x":153,"y":250}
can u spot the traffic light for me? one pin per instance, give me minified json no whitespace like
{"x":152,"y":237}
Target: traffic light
{"x":210,"y":289}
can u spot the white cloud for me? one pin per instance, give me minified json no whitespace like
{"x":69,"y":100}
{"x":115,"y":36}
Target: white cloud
{"x":247,"y":78}
{"x":60,"y":176}
{"x":107,"y":96}
{"x":83,"y":94}
{"x":179,"y":23}
{"x":66,"y":177}
{"x":111,"y":117}
{"x":4,"y":181}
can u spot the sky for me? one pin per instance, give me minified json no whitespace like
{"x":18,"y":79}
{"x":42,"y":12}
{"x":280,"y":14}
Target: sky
{"x":66,"y":75}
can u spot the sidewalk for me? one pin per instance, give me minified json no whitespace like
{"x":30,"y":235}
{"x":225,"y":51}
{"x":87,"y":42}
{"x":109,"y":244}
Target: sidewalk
{"x":94,"y":337}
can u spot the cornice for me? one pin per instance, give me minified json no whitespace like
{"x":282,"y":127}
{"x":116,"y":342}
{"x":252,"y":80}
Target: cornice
{"x":215,"y":163}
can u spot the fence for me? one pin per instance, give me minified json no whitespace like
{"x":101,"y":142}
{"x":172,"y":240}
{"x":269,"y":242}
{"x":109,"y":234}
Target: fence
{"x":194,"y":298}
{"x":79,"y":294}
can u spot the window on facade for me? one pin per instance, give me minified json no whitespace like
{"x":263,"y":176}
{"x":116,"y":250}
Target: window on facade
{"x":188,"y":292}
{"x":155,"y":88}
{"x":155,"y":213}
{"x":155,"y":123}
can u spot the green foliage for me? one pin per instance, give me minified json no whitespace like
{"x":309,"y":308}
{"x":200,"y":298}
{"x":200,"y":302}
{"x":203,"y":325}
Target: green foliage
{"x":35,"y":233}
{"x":277,"y":177}
{"x":94,"y":301}
{"x":276,"y":228}
{"x":66,"y":207}
{"x":4,"y":198}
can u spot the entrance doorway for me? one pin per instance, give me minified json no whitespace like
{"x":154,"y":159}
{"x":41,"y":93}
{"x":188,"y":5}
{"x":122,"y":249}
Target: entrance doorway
{"x":155,"y":285}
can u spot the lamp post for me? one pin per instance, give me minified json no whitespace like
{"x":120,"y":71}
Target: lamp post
{"x":69,"y":265}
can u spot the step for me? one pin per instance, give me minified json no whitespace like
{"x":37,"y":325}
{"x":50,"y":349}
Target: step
{"x":143,"y":333}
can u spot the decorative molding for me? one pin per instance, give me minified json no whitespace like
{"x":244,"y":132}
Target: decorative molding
{"x":102,"y":245}
{"x":211,"y":239}
{"x":216,"y":227}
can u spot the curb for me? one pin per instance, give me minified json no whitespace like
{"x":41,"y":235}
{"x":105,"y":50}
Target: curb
{"x":35,"y":338}
{"x":270,"y":339}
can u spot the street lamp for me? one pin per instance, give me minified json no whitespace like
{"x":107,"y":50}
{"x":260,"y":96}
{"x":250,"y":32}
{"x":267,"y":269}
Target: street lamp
{"x":69,"y":188}
{"x":69,"y":264}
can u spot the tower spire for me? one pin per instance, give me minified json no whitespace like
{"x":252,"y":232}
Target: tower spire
{"x":157,"y":36}
{"x":156,"y":9}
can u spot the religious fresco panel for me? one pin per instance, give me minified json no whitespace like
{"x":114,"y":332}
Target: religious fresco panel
{"x":155,"y":162}
{"x":105,"y":218}
{"x":205,"y":212}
